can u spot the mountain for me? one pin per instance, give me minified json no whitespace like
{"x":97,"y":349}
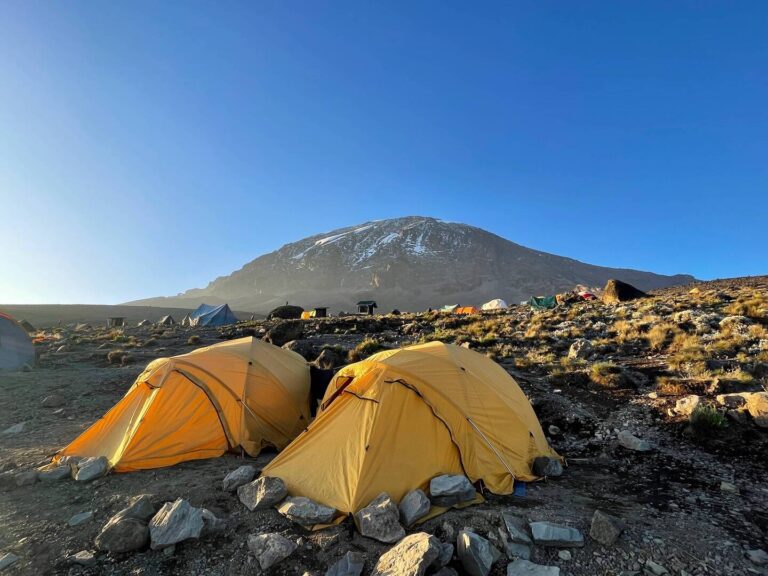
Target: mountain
{"x":407,"y":263}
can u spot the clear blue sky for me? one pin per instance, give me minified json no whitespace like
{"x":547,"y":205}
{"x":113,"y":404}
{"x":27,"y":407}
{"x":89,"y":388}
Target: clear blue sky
{"x":148,"y":147}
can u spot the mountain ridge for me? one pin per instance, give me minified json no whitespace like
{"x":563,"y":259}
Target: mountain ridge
{"x":408,"y":263}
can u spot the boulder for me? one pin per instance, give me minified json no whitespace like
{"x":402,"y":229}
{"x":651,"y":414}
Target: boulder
{"x":287,"y":312}
{"x":515,"y":550}
{"x":25,"y":478}
{"x":409,"y":557}
{"x":618,"y":291}
{"x":329,"y":358}
{"x":380,"y":520}
{"x":285,"y":331}
{"x":631,"y":442}
{"x":262,"y":493}
{"x":175,"y":522}
{"x":526,"y":568}
{"x":238,"y":477}
{"x":580,"y":349}
{"x":757,"y":406}
{"x":83,"y":558}
{"x":140,"y":508}
{"x":446,"y":554}
{"x":687,"y":405}
{"x":7,"y":560}
{"x":555,"y":535}
{"x":605,"y":528}
{"x":53,"y":473}
{"x":269,"y":549}
{"x":91,"y":468}
{"x":211,"y":524}
{"x":80,"y":518}
{"x":516,"y":528}
{"x":735,"y":400}
{"x":449,"y":489}
{"x":758,"y":557}
{"x":351,"y":564}
{"x":413,"y":506}
{"x":306,"y":512}
{"x":304,"y":348}
{"x":123,"y":534}
{"x":545,"y":466}
{"x":475,"y":553}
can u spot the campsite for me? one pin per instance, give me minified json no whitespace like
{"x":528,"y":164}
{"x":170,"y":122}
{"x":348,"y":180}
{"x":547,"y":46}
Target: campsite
{"x":628,"y":447}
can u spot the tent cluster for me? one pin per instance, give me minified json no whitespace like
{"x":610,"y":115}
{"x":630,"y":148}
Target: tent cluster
{"x":614,"y":291}
{"x":204,"y":315}
{"x":495,"y":305}
{"x":387,"y":424}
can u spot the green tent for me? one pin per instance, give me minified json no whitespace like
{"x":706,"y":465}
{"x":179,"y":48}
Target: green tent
{"x":542,"y":302}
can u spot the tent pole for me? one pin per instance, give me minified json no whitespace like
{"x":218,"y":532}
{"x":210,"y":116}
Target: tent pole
{"x":480,"y":432}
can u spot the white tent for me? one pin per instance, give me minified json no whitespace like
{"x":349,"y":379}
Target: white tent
{"x":496,"y":304}
{"x":16,"y":349}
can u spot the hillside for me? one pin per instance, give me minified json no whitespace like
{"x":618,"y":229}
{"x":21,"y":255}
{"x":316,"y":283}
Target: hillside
{"x":408,"y":263}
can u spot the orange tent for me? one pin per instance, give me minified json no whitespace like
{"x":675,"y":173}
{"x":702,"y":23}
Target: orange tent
{"x":467,"y":310}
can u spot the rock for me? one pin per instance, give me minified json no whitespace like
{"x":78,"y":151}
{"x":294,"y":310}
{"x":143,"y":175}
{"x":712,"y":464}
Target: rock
{"x":757,"y":556}
{"x":238,"y":477}
{"x":687,"y":405}
{"x":617,"y":291}
{"x":262,"y":493}
{"x":380,"y":520}
{"x":516,"y":528}
{"x":564,"y":555}
{"x":449,"y":489}
{"x":413,"y":506}
{"x":526,"y":568}
{"x":329,"y":358}
{"x":91,"y":468}
{"x":83,"y":558}
{"x":80,"y":518}
{"x":351,"y":564}
{"x":306,"y":512}
{"x":52,"y":401}
{"x":735,"y":400}
{"x":211,"y":524}
{"x":303,"y":348}
{"x":735,"y":323}
{"x":605,"y":528}
{"x":631,"y":442}
{"x":728,"y":487}
{"x":54,"y":473}
{"x":7,"y":560}
{"x":475,"y":553}
{"x":446,"y":571}
{"x":25,"y":478}
{"x":175,"y":522}
{"x":15,"y":429}
{"x":269,"y":549}
{"x":409,"y":557}
{"x":446,"y":554}
{"x":123,"y":534}
{"x":284,"y":332}
{"x":515,"y":550}
{"x":545,"y":466}
{"x":757,"y":406}
{"x":140,"y":508}
{"x":580,"y":349}
{"x":287,"y":312}
{"x":549,"y":534}
{"x":653,"y":569}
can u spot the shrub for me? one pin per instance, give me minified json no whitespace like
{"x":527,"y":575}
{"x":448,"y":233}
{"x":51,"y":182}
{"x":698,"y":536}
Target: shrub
{"x":706,"y":419}
{"x":115,"y":356}
{"x":606,"y":374}
{"x":193,"y":340}
{"x":659,"y":334}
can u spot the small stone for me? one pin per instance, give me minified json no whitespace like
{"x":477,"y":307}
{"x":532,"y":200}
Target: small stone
{"x":54,"y":473}
{"x":549,"y":534}
{"x":52,"y":401}
{"x":564,"y":555}
{"x":413,"y":506}
{"x":735,"y":400}
{"x":269,"y":549}
{"x":728,"y":487}
{"x":175,"y":522}
{"x":238,"y":477}
{"x":380,"y":520}
{"x":516,"y":528}
{"x":580,"y":349}
{"x":211,"y":524}
{"x":654,"y":569}
{"x":7,"y":560}
{"x":26,"y":478}
{"x":83,"y":558}
{"x":515,"y":550}
{"x":545,"y":466}
{"x":631,"y":442}
{"x":526,"y":568}
{"x":446,"y":553}
{"x":605,"y":528}
{"x":475,"y":553}
{"x":306,"y":512}
{"x":80,"y":518}
{"x":123,"y":534}
{"x":758,"y":557}
{"x":13,"y":430}
{"x":687,"y":405}
{"x":351,"y":564}
{"x":450,"y":489}
{"x":262,"y":493}
{"x":757,"y":406}
{"x":409,"y":557}
{"x":91,"y":468}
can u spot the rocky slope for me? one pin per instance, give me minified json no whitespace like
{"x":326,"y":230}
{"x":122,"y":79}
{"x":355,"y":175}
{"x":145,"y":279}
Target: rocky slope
{"x":406,"y":263}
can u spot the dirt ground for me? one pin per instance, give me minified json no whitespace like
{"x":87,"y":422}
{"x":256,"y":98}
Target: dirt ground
{"x":671,"y":498}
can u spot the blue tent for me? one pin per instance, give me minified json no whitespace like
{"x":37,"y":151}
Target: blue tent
{"x":206,"y":315}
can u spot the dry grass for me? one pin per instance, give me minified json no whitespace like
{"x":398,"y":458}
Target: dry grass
{"x":606,"y":374}
{"x":749,"y":305}
{"x":660,"y":335}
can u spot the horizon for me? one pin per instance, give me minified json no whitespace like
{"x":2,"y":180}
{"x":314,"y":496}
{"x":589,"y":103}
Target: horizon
{"x":148,"y":149}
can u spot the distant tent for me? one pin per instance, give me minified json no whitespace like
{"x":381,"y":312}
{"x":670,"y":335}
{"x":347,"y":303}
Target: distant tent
{"x":206,"y":315}
{"x":307,"y":314}
{"x":495,"y":304}
{"x":145,"y":322}
{"x":466,"y":310}
{"x":27,"y":326}
{"x":618,"y":291}
{"x":167,"y":321}
{"x":16,"y":349}
{"x":186,"y":321}
{"x":449,"y":308}
{"x":542,"y":302}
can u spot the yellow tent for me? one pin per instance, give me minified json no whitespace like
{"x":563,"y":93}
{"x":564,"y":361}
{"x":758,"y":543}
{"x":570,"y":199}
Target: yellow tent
{"x":394,"y":421}
{"x":244,"y":393}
